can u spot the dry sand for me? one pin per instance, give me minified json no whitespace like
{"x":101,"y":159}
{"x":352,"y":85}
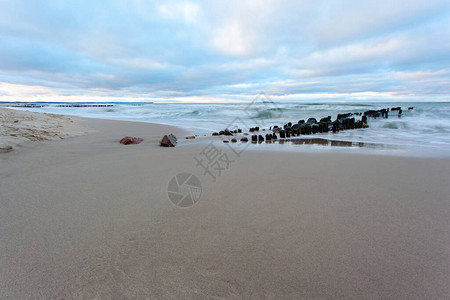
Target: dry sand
{"x":87,"y":217}
{"x":21,"y":128}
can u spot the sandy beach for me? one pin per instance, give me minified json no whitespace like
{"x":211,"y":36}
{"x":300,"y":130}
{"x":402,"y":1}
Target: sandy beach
{"x":85,"y":217}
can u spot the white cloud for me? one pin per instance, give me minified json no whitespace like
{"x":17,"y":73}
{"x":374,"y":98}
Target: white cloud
{"x":231,"y":39}
{"x":189,"y":12}
{"x":139,"y":63}
{"x":341,"y":58}
{"x":422,"y":75}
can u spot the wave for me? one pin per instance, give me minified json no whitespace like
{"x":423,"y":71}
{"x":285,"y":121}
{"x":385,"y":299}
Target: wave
{"x":193,"y":113}
{"x":390,"y":125}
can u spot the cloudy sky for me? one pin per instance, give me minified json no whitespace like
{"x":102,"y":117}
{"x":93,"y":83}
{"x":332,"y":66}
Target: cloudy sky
{"x":198,"y":51}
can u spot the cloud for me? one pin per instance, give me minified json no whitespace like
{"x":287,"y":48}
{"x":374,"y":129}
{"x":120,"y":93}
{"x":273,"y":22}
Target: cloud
{"x":188,"y":12}
{"x":224,"y":49}
{"x":232,"y":40}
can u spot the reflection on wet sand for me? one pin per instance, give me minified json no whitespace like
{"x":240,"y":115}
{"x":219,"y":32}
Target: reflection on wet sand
{"x":323,"y":142}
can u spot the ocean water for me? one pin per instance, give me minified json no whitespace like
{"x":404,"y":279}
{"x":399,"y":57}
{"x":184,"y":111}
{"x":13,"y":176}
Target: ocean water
{"x":427,"y":126}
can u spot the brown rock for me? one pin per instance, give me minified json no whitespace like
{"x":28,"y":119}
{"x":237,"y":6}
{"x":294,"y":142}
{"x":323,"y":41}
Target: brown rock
{"x":190,"y":137}
{"x":129,"y":140}
{"x":168,"y":141}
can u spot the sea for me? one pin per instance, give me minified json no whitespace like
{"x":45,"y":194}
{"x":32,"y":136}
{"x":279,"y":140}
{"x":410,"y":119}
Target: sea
{"x":423,"y":127}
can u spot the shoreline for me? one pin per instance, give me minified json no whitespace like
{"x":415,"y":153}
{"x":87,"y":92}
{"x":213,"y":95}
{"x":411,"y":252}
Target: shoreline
{"x":425,"y":125}
{"x":304,"y":143}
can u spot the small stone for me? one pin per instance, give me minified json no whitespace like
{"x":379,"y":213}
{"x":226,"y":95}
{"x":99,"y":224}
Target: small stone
{"x":227,"y":132}
{"x":233,"y":140}
{"x":244,"y":139}
{"x":190,"y":137}
{"x":168,"y":141}
{"x":130,"y":140}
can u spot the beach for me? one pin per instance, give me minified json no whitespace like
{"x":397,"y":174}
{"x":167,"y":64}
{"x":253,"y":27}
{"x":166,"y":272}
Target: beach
{"x":86,"y":217}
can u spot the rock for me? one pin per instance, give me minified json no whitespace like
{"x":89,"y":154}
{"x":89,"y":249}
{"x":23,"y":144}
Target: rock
{"x":376,"y":113}
{"x":311,"y":121}
{"x":298,"y":126}
{"x":411,"y":107}
{"x":168,"y":141}
{"x":336,"y":126}
{"x":268,"y":137}
{"x":260,"y":138}
{"x":226,"y":141}
{"x":282,"y":134}
{"x":254,"y":138}
{"x":227,"y":132}
{"x":396,"y":108}
{"x":343,"y":116}
{"x":233,"y":140}
{"x":301,"y":121}
{"x":129,"y":140}
{"x":215,"y":133}
{"x":190,"y":137}
{"x":307,"y":129}
{"x":244,"y":140}
{"x":323,"y":127}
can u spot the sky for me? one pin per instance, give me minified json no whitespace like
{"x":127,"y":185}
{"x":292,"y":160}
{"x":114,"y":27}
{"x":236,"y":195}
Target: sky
{"x":224,"y":51}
